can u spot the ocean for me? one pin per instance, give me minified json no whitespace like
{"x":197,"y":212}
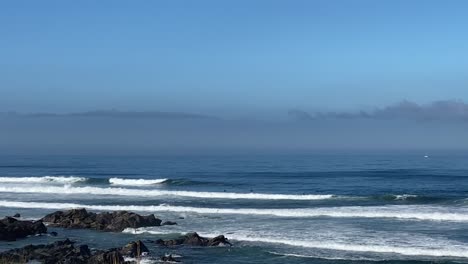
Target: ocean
{"x":324,"y":207}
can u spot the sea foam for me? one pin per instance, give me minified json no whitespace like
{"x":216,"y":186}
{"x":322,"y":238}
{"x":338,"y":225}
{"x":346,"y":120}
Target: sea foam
{"x":44,"y":179}
{"x":431,"y":213}
{"x":135,"y":182}
{"x":407,"y":251}
{"x":411,"y":250}
{"x":149,"y":193}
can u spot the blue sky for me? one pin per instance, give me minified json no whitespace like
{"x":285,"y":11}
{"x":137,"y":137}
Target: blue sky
{"x":230,"y":56}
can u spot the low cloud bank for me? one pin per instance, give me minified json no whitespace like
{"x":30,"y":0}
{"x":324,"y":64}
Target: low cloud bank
{"x":449,"y":110}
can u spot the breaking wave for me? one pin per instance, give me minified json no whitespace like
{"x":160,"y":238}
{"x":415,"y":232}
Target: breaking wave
{"x":44,"y":179}
{"x":135,"y":182}
{"x":407,"y":251}
{"x":432,"y":251}
{"x":150,"y":193}
{"x":431,"y":213}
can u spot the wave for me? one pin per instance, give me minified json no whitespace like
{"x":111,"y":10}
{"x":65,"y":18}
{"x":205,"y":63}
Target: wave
{"x":432,"y":251}
{"x":315,"y":257}
{"x":431,"y":213}
{"x":150,"y":193}
{"x":135,"y":182}
{"x":43,"y":179}
{"x":405,"y":196}
{"x":407,"y":250}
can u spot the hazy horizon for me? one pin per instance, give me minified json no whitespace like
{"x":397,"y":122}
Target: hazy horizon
{"x":114,"y":76}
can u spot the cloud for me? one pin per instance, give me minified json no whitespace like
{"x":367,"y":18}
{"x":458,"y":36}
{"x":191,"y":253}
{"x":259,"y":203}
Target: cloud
{"x":448,"y":110}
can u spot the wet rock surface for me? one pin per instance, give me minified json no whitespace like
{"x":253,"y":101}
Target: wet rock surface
{"x":193,"y":239}
{"x":67,"y":252}
{"x":12,"y":229}
{"x":107,"y":221}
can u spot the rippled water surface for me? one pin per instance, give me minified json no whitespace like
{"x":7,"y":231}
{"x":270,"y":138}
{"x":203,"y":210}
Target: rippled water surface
{"x":394,"y":207}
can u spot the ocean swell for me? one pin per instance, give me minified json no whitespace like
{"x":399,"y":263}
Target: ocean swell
{"x":43,"y":179}
{"x":149,"y":193}
{"x":430,"y":213}
{"x":135,"y":182}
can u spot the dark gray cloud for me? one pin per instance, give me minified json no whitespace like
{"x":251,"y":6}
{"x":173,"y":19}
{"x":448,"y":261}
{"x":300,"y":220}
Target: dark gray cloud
{"x":449,"y":110}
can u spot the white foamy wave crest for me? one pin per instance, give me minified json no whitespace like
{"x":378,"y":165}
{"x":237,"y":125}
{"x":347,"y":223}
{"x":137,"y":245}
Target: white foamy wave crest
{"x":435,"y":251}
{"x":149,"y":193}
{"x":44,"y":179}
{"x":461,"y":252}
{"x":405,"y":196}
{"x":415,"y":212}
{"x":135,"y":182}
{"x":143,"y":260}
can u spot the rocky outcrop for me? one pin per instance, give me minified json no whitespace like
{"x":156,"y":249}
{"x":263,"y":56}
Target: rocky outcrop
{"x":12,"y":229}
{"x":134,"y":249}
{"x":107,"y":257}
{"x":115,"y":221}
{"x":169,"y":258}
{"x":57,"y":252}
{"x":193,"y":239}
{"x":169,"y":223}
{"x":65,"y":252}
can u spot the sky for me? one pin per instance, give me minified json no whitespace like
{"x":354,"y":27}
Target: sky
{"x":230,"y":57}
{"x":264,"y":74}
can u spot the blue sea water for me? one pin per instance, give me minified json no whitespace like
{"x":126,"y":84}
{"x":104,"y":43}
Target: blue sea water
{"x":330,"y":207}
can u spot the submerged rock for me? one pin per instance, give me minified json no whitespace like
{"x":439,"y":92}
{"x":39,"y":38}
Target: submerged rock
{"x":106,"y":221}
{"x":193,"y":239}
{"x":169,"y":223}
{"x":16,"y":215}
{"x":66,"y":252}
{"x":12,"y":228}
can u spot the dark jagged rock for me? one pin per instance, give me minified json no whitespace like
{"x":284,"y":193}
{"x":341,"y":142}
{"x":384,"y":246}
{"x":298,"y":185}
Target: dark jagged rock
{"x":169,"y":223}
{"x":134,"y":249}
{"x":115,"y":221}
{"x":111,"y":257}
{"x":65,"y":252}
{"x":57,"y":252}
{"x":12,"y":228}
{"x":169,"y":258}
{"x":218,"y":241}
{"x":53,"y":233}
{"x":193,"y":239}
{"x":16,"y":215}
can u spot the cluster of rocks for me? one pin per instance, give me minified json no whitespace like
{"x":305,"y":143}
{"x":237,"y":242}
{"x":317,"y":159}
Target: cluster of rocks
{"x":107,"y":221}
{"x":65,"y":252}
{"x":12,"y":229}
{"x":193,"y":239}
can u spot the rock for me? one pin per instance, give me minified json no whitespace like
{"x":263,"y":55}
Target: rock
{"x":57,"y":252}
{"x":134,"y":249}
{"x":169,"y":258}
{"x":169,"y":223}
{"x":16,"y":215}
{"x":111,"y":257}
{"x":53,"y":233}
{"x":115,"y":221}
{"x":218,"y":241}
{"x":193,"y":239}
{"x":65,"y":252}
{"x":12,"y":229}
